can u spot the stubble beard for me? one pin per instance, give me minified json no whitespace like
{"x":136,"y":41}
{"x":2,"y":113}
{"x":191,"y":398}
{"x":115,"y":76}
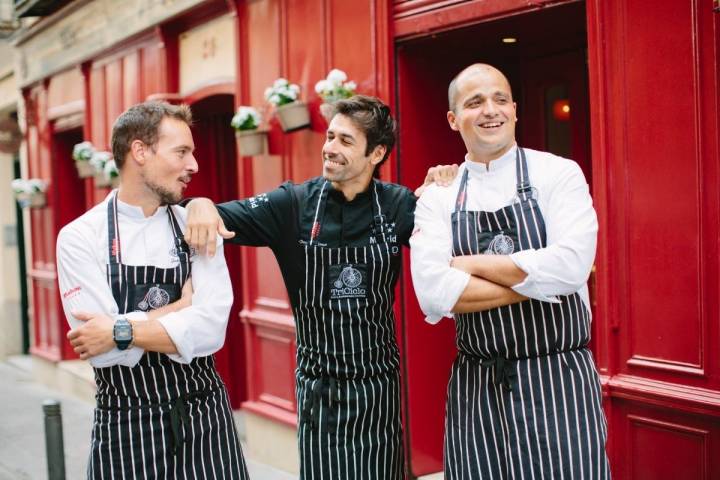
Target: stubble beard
{"x":165,"y":196}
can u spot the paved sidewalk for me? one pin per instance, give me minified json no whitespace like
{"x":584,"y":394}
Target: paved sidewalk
{"x":22,"y":437}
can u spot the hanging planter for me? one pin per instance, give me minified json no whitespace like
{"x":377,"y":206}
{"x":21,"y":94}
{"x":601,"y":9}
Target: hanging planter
{"x":30,"y":193}
{"x":251,"y":142}
{"x":291,"y":112}
{"x":111,"y":173}
{"x":101,"y":181}
{"x":98,"y":161}
{"x":293,"y":116}
{"x":85,"y":170}
{"x":82,"y":153}
{"x":333,"y":88}
{"x":250,"y":139}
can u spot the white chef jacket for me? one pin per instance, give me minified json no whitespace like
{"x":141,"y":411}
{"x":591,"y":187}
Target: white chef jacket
{"x":561,"y":268}
{"x":82,"y":257}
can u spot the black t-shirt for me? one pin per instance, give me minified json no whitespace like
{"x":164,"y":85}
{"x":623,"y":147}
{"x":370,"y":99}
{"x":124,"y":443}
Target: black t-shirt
{"x":282,"y":220}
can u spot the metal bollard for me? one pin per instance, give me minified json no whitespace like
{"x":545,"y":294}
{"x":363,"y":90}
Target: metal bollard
{"x":54,"y":448}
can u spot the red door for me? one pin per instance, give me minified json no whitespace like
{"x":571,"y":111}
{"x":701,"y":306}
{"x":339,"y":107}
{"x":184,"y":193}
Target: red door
{"x":217,"y":179}
{"x":654,"y":111}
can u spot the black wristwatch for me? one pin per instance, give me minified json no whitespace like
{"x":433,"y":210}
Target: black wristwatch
{"x":122,"y":333}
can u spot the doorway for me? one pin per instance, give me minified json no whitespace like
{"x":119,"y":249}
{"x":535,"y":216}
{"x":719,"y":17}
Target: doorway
{"x":543,"y":55}
{"x":217,"y":179}
{"x":66,"y":202}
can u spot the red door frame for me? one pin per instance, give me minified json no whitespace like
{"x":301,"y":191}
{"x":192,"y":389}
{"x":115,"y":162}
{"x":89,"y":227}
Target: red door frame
{"x":221,"y":185}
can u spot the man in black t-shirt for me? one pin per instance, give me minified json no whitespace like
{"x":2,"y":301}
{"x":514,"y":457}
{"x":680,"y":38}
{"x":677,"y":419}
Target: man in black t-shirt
{"x":337,"y":239}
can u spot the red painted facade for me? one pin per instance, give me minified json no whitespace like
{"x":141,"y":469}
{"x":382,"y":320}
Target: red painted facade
{"x":641,"y":78}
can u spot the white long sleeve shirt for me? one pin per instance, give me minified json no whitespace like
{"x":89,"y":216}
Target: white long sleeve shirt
{"x":561,"y":268}
{"x":82,"y":257}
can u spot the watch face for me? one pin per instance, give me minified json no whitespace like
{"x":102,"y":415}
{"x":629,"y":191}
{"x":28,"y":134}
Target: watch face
{"x":123,"y":332}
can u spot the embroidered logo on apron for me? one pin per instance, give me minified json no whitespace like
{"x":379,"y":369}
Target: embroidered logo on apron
{"x":348,"y":281}
{"x":501,"y":244}
{"x":155,"y":298}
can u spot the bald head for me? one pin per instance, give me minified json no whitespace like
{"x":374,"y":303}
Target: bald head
{"x":469,"y":72}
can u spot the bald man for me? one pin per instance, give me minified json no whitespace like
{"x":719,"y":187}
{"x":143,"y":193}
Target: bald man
{"x":506,"y":251}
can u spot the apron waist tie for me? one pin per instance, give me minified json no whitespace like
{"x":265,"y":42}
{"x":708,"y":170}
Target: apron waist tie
{"x":178,"y":412}
{"x":503,"y":372}
{"x":311,"y":408}
{"x":179,"y":415}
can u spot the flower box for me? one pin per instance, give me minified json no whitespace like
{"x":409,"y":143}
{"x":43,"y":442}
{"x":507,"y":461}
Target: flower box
{"x":291,"y":112}
{"x":293,"y":116}
{"x":334,"y":87}
{"x":250,"y":139}
{"x":32,"y":200}
{"x":85,"y":170}
{"x":101,"y":181}
{"x":251,"y":142}
{"x":30,"y":193}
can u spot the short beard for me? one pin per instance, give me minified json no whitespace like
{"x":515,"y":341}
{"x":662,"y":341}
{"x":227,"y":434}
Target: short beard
{"x":165,"y":196}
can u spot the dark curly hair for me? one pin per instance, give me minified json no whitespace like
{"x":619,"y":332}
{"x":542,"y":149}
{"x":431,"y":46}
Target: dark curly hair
{"x":371,"y":116}
{"x":142,"y":122}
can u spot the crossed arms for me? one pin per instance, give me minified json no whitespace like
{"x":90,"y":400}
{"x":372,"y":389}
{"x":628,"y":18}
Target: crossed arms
{"x":192,"y":326}
{"x":445,"y":284}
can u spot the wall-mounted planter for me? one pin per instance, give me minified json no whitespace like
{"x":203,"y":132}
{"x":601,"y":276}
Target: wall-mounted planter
{"x":32,"y":200}
{"x":101,"y":181}
{"x":293,"y":116}
{"x":85,"y":170}
{"x":251,"y":142}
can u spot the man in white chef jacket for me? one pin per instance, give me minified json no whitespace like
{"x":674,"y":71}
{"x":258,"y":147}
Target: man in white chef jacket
{"x":506,"y":251}
{"x":148,"y":314}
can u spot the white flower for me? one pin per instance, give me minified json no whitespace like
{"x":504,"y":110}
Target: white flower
{"x":350,"y":85}
{"x":275,"y":98}
{"x":336,"y":77}
{"x":280,"y":82}
{"x":99,"y":159}
{"x":19,"y":185}
{"x":110,"y":170}
{"x":321,"y":86}
{"x":295,"y":88}
{"x":268,"y":92}
{"x":240,"y":119}
{"x":83,"y":151}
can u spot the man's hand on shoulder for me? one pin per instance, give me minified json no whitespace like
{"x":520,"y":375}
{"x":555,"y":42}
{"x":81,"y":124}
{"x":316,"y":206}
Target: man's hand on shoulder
{"x":203,"y":224}
{"x":442,"y":175}
{"x":93,"y":337}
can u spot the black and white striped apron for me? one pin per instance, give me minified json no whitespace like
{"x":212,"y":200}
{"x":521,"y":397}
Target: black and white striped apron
{"x":347,"y":378}
{"x":524,"y":396}
{"x":160,"y":418}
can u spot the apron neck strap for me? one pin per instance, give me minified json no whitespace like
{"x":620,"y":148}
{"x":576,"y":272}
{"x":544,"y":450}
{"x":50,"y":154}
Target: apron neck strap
{"x":114,"y":250}
{"x":181,"y":246}
{"x":524,"y":188}
{"x":378,"y":218}
{"x":461,"y":200}
{"x":319,"y":212}
{"x":114,"y":254}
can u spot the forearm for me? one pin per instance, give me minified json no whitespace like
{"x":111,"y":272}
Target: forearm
{"x":170,"y":308}
{"x":481,"y":294}
{"x":150,"y":335}
{"x":498,"y":269}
